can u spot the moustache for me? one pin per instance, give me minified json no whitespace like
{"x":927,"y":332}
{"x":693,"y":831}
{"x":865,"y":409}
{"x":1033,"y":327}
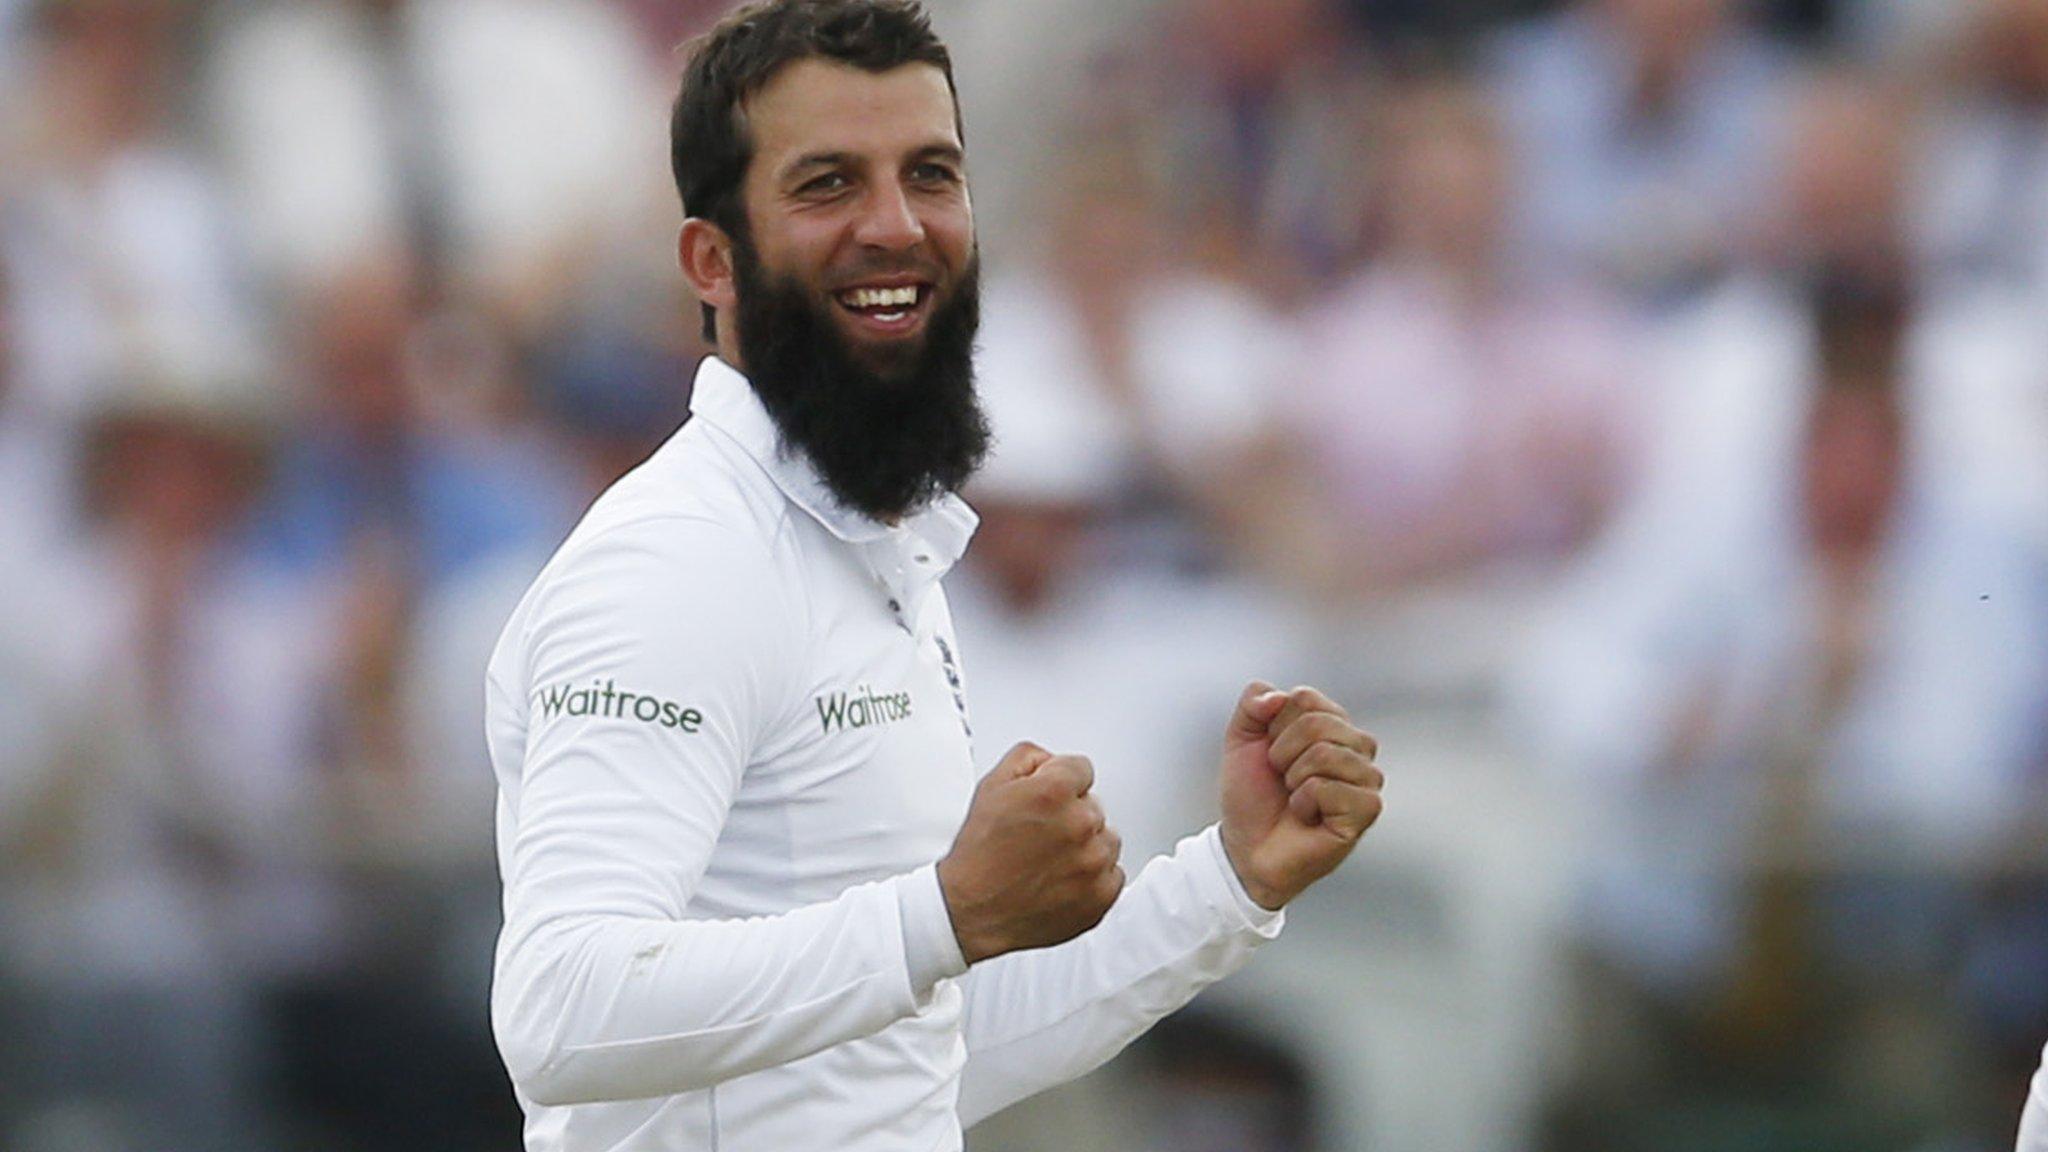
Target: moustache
{"x":878,"y":266}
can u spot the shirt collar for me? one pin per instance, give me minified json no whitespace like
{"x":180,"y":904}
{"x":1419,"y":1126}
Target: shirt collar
{"x":722,"y":396}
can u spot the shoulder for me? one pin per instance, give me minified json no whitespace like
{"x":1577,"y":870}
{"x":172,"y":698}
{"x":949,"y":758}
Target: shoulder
{"x":698,"y":499}
{"x":696,"y":539}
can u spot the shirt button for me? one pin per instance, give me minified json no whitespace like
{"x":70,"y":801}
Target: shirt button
{"x":895,"y":607}
{"x":924,"y":559}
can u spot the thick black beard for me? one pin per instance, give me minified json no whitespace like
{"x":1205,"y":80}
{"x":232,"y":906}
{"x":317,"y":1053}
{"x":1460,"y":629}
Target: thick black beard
{"x":886,"y":441}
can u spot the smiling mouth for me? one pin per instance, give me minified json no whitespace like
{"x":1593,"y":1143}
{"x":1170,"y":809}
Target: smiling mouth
{"x":889,"y":310}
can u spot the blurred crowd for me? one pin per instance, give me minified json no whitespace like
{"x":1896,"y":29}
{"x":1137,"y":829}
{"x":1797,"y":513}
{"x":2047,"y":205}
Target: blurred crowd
{"x":1639,"y":405}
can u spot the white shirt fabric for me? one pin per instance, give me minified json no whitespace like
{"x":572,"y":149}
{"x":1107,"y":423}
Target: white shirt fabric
{"x":731,"y":740}
{"x":2034,"y":1121}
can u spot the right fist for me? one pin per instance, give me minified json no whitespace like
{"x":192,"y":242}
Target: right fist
{"x":1035,"y":863}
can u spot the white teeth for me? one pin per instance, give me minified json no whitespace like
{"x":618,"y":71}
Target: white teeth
{"x":881,"y":297}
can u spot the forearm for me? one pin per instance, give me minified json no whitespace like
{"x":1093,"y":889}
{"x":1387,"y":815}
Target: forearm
{"x":598,"y":1006}
{"x":1039,"y":1018}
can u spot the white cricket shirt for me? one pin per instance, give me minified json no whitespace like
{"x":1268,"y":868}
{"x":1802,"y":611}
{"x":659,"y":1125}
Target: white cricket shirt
{"x":731,"y":742}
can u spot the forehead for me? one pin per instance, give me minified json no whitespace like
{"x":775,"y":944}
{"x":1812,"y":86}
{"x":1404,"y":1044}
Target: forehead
{"x":818,"y":106}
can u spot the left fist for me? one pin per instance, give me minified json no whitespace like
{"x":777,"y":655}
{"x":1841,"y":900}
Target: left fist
{"x":1299,"y":789}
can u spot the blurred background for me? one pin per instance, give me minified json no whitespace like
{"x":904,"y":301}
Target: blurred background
{"x":1636,"y":410}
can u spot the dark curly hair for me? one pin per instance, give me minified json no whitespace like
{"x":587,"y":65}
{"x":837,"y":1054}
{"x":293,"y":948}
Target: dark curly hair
{"x":709,"y":146}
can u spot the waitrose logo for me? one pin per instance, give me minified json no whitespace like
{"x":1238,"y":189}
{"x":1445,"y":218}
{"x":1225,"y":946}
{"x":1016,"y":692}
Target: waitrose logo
{"x":604,"y":699}
{"x":861,"y":707}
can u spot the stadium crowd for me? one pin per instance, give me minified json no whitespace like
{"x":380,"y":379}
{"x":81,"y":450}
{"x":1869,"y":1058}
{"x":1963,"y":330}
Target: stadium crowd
{"x":1637,"y":410}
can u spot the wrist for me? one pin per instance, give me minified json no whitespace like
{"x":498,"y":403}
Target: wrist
{"x":1261,"y":893}
{"x":974,"y":947}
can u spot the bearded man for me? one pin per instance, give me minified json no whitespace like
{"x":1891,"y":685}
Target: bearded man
{"x":754,"y":896}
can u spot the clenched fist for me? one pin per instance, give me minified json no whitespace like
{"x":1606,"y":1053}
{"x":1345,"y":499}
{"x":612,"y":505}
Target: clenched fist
{"x":1035,"y":863}
{"x":1299,"y":788}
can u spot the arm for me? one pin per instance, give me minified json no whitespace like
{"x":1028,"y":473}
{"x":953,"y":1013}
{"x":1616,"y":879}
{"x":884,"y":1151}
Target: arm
{"x":1039,"y":1018}
{"x":603,"y":990}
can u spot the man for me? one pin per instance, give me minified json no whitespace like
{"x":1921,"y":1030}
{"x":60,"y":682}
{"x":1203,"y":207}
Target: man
{"x":742,"y":909}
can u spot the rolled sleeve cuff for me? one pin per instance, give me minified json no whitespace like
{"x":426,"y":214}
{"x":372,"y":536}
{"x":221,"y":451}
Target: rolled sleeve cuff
{"x":931,"y":951}
{"x":1221,"y":884}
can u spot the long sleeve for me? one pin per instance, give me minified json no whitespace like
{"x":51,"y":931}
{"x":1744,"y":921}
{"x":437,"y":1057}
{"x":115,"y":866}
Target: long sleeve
{"x":2034,"y":1121}
{"x":631,"y":692}
{"x":1039,"y":1018}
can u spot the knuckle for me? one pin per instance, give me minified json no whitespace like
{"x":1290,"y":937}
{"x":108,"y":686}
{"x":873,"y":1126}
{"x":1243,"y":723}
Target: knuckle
{"x":1021,"y":757}
{"x":1315,"y":700}
{"x":988,"y":800}
{"x":1043,"y":795}
{"x":1353,"y":765}
{"x":1078,"y":824}
{"x":1313,"y":728}
{"x":1073,"y":769}
{"x":1319,"y":761}
{"x":1311,"y":699}
{"x":1096,"y":857}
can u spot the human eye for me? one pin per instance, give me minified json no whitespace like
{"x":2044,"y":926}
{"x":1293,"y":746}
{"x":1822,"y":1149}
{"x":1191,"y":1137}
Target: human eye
{"x":824,"y":184}
{"x":935,"y":172}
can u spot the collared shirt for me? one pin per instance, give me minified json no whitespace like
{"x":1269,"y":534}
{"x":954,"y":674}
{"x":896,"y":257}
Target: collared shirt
{"x":731,"y":737}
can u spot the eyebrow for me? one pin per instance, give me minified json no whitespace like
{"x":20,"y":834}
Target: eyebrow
{"x":946,"y":151}
{"x":817,"y":160}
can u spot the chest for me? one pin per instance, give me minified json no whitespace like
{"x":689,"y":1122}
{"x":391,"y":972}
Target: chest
{"x":870,"y":769}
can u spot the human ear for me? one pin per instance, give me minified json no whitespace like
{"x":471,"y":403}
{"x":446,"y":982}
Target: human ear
{"x":704,"y":252}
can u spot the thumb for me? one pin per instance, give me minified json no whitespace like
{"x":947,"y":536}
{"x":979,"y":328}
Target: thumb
{"x":1018,"y":762}
{"x":1256,"y":707}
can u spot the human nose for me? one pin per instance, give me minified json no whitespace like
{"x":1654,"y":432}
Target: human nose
{"x":889,"y":220}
